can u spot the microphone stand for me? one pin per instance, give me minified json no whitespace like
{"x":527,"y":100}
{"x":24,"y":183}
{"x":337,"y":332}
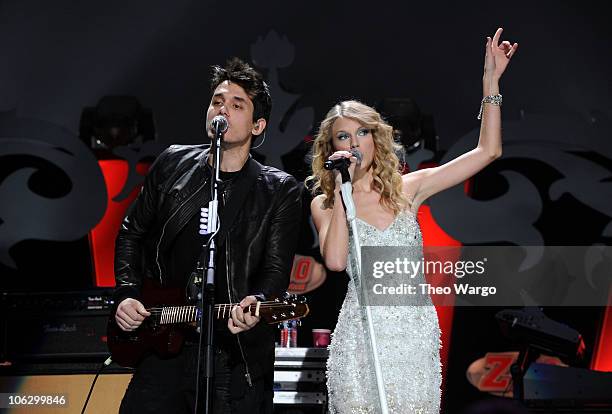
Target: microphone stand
{"x":206,"y":297}
{"x":346,"y":189}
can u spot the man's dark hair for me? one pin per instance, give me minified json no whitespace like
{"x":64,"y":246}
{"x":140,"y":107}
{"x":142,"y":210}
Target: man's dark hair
{"x":242,"y":74}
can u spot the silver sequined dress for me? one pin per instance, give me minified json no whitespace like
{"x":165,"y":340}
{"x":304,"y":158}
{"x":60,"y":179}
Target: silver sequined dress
{"x":408,"y":339}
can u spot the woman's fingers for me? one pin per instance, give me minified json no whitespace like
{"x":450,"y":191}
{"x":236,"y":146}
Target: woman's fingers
{"x":512,"y":50}
{"x":497,"y":36}
{"x":340,"y":154}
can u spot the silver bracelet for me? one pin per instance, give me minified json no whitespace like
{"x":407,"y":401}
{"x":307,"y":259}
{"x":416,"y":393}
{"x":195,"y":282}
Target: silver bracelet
{"x":492,"y":99}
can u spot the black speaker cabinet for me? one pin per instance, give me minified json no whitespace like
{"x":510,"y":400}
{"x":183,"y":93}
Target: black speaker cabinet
{"x":55,"y":326}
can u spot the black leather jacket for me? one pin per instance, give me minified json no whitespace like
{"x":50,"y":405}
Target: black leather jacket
{"x":259,"y":246}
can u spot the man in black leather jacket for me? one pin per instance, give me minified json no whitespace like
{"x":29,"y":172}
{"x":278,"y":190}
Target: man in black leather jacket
{"x":159,"y":241}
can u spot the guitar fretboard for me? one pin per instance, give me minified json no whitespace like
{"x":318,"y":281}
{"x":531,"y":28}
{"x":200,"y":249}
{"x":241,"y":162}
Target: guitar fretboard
{"x":186,"y":314}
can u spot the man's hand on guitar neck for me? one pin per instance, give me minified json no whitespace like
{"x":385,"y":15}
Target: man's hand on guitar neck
{"x":241,"y":321}
{"x":130,"y":314}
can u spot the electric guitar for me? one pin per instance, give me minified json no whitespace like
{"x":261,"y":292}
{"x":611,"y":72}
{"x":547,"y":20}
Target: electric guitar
{"x":163,"y":332}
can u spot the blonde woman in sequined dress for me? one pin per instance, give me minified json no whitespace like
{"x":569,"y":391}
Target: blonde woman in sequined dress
{"x":386,"y":204}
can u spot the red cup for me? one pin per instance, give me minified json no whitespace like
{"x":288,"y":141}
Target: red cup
{"x":320,"y":337}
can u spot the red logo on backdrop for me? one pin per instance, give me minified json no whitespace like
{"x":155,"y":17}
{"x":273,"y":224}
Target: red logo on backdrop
{"x":492,"y":373}
{"x":497,"y":372}
{"x":102,"y":237}
{"x":307,"y":274}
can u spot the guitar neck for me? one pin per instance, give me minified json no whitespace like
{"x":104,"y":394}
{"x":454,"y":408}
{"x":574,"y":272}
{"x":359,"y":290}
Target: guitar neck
{"x":186,"y":314}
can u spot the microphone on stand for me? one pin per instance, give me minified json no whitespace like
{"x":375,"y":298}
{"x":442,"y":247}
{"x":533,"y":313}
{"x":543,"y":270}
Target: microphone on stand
{"x":357,"y":154}
{"x":342,"y":164}
{"x":219,"y":124}
{"x":337,"y":164}
{"x":346,"y":186}
{"x":206,"y":270}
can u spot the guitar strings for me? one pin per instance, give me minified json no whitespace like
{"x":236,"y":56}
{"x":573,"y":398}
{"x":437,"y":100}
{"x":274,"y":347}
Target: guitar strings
{"x":185,"y":313}
{"x":263,"y":305}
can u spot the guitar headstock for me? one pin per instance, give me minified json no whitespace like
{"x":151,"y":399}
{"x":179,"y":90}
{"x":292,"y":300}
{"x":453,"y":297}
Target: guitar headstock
{"x":281,"y":310}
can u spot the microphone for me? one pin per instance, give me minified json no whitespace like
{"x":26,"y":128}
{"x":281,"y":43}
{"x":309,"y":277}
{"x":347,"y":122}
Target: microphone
{"x":219,"y":123}
{"x":342,"y":163}
{"x":357,"y":154}
{"x":337,"y":164}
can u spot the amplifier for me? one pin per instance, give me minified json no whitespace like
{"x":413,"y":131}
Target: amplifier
{"x":65,"y":325}
{"x":299,"y":380}
{"x":303,"y":380}
{"x":302,"y":358}
{"x":567,"y":389}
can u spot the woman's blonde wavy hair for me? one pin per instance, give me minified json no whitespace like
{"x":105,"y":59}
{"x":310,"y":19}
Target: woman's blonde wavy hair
{"x":385,"y":166}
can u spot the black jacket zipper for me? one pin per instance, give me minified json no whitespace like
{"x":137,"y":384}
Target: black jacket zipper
{"x":166,"y":223}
